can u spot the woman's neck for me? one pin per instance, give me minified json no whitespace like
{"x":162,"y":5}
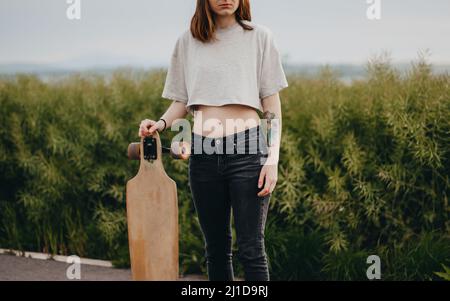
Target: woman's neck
{"x":224,"y":22}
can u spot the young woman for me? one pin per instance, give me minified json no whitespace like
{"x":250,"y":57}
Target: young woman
{"x":223,"y":70}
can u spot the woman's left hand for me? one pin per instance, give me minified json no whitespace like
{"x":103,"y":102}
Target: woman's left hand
{"x":270,"y":173}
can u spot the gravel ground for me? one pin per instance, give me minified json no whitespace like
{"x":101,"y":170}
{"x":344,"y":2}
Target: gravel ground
{"x":21,"y":268}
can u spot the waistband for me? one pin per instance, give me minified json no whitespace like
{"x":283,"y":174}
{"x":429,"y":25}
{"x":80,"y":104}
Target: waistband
{"x":249,"y":141}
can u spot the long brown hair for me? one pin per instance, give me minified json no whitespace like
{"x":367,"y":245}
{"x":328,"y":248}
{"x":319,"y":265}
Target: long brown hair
{"x":202,"y":24}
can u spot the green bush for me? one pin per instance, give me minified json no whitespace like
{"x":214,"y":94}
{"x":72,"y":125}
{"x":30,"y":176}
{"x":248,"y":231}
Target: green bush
{"x":364,"y":169}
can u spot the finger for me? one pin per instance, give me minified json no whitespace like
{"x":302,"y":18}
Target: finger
{"x":272,"y":186}
{"x":261,"y":178}
{"x":268,"y":186}
{"x":146,"y":123}
{"x":266,"y":189}
{"x":147,"y":126}
{"x":151,"y":125}
{"x":264,"y":192}
{"x":142,"y":132}
{"x":153,"y":129}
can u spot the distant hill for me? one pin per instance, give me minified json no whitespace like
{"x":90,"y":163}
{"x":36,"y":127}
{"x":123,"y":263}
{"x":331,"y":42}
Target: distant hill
{"x":346,"y":72}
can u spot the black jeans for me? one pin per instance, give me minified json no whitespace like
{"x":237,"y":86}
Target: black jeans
{"x":222,"y":177}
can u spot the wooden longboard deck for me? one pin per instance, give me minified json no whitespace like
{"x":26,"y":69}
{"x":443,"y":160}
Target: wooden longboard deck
{"x":152,"y":215}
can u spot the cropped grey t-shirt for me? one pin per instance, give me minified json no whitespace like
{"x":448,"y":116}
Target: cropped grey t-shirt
{"x":242,"y":67}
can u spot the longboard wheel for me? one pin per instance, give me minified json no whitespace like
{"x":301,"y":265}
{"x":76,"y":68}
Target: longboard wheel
{"x":181,"y":150}
{"x":134,"y":151}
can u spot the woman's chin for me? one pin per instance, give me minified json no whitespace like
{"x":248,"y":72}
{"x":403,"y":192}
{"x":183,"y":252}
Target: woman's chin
{"x":225,"y":12}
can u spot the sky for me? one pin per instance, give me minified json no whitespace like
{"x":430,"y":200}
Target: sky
{"x":144,"y":32}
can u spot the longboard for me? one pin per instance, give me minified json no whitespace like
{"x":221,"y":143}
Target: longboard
{"x":152,"y":214}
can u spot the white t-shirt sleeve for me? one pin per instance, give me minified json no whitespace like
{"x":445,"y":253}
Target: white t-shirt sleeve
{"x":175,"y":85}
{"x":273,"y":78}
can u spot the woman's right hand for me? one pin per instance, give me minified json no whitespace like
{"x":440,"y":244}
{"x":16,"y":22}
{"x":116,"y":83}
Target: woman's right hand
{"x":148,"y":127}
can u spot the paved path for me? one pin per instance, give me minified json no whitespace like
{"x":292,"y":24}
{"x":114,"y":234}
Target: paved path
{"x":22,"y":268}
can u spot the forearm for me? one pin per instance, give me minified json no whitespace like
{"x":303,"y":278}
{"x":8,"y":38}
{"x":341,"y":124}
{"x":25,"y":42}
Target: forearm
{"x":272,"y":115}
{"x":176,"y":110}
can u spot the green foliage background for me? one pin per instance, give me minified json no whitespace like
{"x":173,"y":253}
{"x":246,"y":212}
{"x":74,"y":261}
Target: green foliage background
{"x":364,"y":170}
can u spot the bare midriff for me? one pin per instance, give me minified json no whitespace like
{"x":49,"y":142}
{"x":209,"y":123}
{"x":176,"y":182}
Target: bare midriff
{"x":219,"y":121}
